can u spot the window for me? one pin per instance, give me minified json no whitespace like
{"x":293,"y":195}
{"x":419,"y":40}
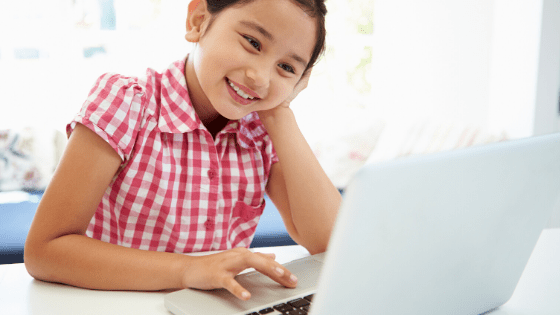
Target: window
{"x":51,"y":53}
{"x":339,"y":87}
{"x":74,"y":41}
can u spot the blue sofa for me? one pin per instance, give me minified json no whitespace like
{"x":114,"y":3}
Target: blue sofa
{"x":15,"y":220}
{"x":16,"y":217}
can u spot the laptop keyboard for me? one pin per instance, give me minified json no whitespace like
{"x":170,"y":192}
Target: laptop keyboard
{"x":294,"y":307}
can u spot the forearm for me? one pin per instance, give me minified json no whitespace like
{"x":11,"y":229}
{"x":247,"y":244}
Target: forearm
{"x":313,"y":199}
{"x":84,"y":262}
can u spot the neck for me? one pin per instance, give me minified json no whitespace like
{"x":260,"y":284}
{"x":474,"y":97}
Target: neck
{"x":216,"y":125}
{"x":211,"y":119}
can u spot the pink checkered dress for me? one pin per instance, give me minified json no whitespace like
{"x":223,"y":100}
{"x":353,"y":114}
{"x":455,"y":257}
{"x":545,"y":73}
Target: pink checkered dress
{"x":178,"y":189}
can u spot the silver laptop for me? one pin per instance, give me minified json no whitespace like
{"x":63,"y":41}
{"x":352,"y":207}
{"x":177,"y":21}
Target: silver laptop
{"x":447,"y":233}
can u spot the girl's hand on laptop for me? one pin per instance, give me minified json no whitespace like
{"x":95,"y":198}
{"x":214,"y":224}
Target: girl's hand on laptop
{"x":218,"y":271}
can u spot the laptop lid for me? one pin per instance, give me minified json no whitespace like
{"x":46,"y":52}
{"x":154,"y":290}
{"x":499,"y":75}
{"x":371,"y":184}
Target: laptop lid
{"x":448,"y":233}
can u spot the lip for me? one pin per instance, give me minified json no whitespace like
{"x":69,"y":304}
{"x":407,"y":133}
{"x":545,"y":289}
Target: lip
{"x":238,"y":98}
{"x":245,"y":89}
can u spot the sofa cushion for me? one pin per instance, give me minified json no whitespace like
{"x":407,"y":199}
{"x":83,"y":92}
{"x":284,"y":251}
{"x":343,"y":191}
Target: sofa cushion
{"x":17,"y":209}
{"x":28,"y":157}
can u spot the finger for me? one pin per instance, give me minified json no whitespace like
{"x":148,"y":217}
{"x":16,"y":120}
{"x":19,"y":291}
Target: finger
{"x":235,"y":288}
{"x":273,"y":270}
{"x":303,"y":82}
{"x":306,"y":74}
{"x":269,"y":255}
{"x":305,"y":78}
{"x":300,"y":86}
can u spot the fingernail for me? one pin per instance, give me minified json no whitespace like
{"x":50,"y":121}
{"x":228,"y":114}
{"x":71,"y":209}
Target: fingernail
{"x":279,"y":271}
{"x":293,"y":278}
{"x":246,"y":295}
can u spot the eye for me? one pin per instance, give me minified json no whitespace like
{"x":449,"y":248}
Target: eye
{"x":287,"y":67}
{"x":253,"y":42}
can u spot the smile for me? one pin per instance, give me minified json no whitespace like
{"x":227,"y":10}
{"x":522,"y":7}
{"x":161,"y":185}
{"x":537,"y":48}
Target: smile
{"x":240,"y":91}
{"x":241,"y":94}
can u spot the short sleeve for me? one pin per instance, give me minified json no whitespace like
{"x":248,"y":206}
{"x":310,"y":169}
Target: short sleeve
{"x":113,"y":110}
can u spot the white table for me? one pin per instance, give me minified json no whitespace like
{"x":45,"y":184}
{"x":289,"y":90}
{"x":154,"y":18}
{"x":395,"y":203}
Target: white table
{"x":538,"y":291}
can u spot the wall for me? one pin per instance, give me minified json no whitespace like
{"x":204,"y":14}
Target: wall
{"x":495,"y":64}
{"x":525,"y":72}
{"x":525,"y":80}
{"x":431,"y":58}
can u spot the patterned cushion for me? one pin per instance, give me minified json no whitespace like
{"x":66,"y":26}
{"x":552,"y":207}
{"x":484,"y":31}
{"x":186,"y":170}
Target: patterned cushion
{"x":343,"y":155}
{"x":28,"y":157}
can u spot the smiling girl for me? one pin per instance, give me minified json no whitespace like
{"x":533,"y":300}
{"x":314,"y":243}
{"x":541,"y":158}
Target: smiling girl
{"x":179,"y":161}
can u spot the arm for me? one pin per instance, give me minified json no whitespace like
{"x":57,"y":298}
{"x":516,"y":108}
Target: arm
{"x":305,"y":197}
{"x":57,"y":250}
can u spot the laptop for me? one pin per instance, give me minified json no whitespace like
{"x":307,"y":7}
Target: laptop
{"x":446,"y":233}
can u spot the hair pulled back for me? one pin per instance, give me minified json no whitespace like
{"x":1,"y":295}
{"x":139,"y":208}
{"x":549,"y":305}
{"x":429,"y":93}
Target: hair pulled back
{"x":314,"y":8}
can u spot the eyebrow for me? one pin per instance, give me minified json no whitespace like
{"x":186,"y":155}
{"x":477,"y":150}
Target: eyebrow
{"x":271,"y":38}
{"x":299,"y":59}
{"x":259,"y":29}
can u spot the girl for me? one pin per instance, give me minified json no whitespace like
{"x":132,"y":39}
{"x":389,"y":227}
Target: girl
{"x":179,"y":161}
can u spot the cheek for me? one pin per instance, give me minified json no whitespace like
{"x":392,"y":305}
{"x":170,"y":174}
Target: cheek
{"x":285,"y":90}
{"x":215,"y":59}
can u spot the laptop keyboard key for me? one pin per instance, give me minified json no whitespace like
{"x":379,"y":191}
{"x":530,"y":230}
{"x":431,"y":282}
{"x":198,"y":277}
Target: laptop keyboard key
{"x":283,"y":307}
{"x":298,"y":303}
{"x":266,"y":310}
{"x":309,"y":297}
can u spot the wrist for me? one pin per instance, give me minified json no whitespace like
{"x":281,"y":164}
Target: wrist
{"x":272,"y":116}
{"x":185,"y":265}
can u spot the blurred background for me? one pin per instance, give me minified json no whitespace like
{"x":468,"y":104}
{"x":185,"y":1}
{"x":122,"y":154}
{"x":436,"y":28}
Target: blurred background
{"x":399,"y":77}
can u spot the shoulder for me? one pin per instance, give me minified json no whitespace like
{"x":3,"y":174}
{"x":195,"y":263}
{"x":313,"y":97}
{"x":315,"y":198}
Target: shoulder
{"x":252,"y":133}
{"x":251,"y":127}
{"x":112,"y":83}
{"x":113,"y":92}
{"x":150,"y":84}
{"x":114,"y":109}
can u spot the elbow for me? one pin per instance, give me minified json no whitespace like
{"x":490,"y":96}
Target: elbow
{"x":316,"y":246}
{"x":316,"y":249}
{"x":315,"y":241}
{"x":34,"y":259}
{"x":31,"y":260}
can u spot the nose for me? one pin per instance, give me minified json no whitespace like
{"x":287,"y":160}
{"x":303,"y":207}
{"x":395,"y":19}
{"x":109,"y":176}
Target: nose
{"x":259,"y":76}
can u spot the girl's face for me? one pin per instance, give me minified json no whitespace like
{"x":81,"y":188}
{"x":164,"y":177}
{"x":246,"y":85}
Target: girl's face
{"x":250,"y":59}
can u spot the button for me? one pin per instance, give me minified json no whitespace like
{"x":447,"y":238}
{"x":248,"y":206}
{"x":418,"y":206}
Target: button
{"x":209,"y":225}
{"x":212,"y":173}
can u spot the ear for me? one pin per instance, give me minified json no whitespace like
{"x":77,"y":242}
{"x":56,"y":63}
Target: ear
{"x":196,"y":17}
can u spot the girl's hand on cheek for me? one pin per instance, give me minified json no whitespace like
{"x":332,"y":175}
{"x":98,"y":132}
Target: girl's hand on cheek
{"x":218,"y":271}
{"x":300,"y":86}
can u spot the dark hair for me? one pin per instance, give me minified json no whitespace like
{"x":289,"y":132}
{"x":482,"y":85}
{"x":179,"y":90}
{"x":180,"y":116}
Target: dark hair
{"x":314,"y":8}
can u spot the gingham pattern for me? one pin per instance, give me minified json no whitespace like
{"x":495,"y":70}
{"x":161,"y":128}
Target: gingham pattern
{"x":178,"y":189}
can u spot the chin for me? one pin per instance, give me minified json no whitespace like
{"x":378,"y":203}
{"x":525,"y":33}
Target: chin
{"x":234,"y":115}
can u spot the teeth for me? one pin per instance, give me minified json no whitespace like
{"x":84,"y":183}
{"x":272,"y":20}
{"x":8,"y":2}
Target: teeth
{"x":240,"y":92}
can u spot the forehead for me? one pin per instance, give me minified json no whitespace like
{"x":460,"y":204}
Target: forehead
{"x":288,"y":24}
